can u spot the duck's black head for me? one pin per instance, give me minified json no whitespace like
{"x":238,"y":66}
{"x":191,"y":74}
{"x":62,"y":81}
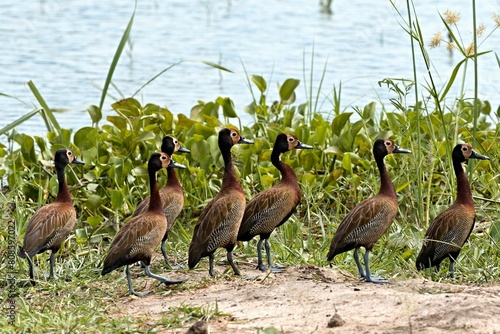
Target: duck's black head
{"x":384,"y":146}
{"x":463,"y":152}
{"x":231,"y":137}
{"x":65,"y":157}
{"x":170,"y":145}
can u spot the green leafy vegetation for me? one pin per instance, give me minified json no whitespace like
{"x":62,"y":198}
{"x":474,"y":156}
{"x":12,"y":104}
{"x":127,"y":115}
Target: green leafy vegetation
{"x":334,"y":177}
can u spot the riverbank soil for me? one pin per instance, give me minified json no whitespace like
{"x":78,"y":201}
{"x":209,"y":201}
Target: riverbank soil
{"x":309,"y":299}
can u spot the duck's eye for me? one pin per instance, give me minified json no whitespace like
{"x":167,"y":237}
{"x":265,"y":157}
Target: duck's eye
{"x":464,"y":148}
{"x":233,"y":134}
{"x":388,"y":143}
{"x":290,"y":139}
{"x":70,"y":153}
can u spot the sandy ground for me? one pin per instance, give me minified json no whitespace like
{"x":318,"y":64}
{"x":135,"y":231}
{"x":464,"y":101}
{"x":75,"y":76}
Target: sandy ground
{"x":304,"y":300}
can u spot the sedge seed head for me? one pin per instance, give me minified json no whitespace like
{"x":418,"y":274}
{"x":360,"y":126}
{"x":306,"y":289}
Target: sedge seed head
{"x":451,"y":17}
{"x":469,"y":49}
{"x":436,"y":39}
{"x":480,"y":30}
{"x":496,"y":19}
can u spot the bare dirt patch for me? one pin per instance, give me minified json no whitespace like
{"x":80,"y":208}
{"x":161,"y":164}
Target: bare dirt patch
{"x":304,"y":300}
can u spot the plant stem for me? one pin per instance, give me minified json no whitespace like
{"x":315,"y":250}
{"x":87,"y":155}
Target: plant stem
{"x":476,"y":106}
{"x":420,"y":205}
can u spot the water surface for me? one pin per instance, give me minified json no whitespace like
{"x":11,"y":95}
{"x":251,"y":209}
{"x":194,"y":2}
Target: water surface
{"x":66,"y":47}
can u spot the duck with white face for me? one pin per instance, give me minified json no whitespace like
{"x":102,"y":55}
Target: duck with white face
{"x":450,"y":230}
{"x":370,"y":219}
{"x":52,"y":223}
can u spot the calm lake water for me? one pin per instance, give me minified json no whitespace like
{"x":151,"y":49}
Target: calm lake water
{"x":66,"y":47}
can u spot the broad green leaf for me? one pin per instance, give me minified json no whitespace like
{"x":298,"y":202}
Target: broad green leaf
{"x":65,"y":135}
{"x":369,"y":111}
{"x":117,"y":121}
{"x":345,"y":141}
{"x":339,"y":122}
{"x":184,"y":122}
{"x":42,"y":145}
{"x":204,"y":131}
{"x":116,"y":199}
{"x":148,"y":135}
{"x":27,"y":147}
{"x":95,"y":113}
{"x":94,"y":221}
{"x":260,"y":82}
{"x":392,"y":120}
{"x":53,"y":185}
{"x":128,"y":107}
{"x":288,"y":88}
{"x":333,"y":150}
{"x":407,"y":254}
{"x":199,"y":149}
{"x":486,"y":107}
{"x":346,"y":162}
{"x":249,"y":109}
{"x":86,"y":138}
{"x":288,"y":115}
{"x":227,"y":107}
{"x":94,"y":202}
{"x":267,"y":181}
{"x":80,"y":235}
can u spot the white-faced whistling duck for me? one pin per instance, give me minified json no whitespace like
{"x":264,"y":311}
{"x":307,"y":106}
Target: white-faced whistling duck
{"x":371,"y":218}
{"x":138,"y":238}
{"x":451,"y":228}
{"x":220,"y":221}
{"x":172,"y":197}
{"x":272,"y":207}
{"x":52,"y":223}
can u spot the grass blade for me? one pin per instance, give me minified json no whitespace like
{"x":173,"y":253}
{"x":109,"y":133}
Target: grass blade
{"x":46,"y":109}
{"x":19,"y":121}
{"x":156,"y":76}
{"x":452,"y":79}
{"x":116,"y":58}
{"x":217,"y":66}
{"x":15,"y":98}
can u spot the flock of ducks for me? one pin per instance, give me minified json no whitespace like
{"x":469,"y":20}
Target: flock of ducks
{"x":228,"y":218}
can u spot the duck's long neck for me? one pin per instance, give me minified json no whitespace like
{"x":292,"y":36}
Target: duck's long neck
{"x":172,"y":181}
{"x":155,"y":200}
{"x":229,"y":179}
{"x":386,"y":186}
{"x":63,"y":194}
{"x":464,"y":194}
{"x":287,"y":172}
